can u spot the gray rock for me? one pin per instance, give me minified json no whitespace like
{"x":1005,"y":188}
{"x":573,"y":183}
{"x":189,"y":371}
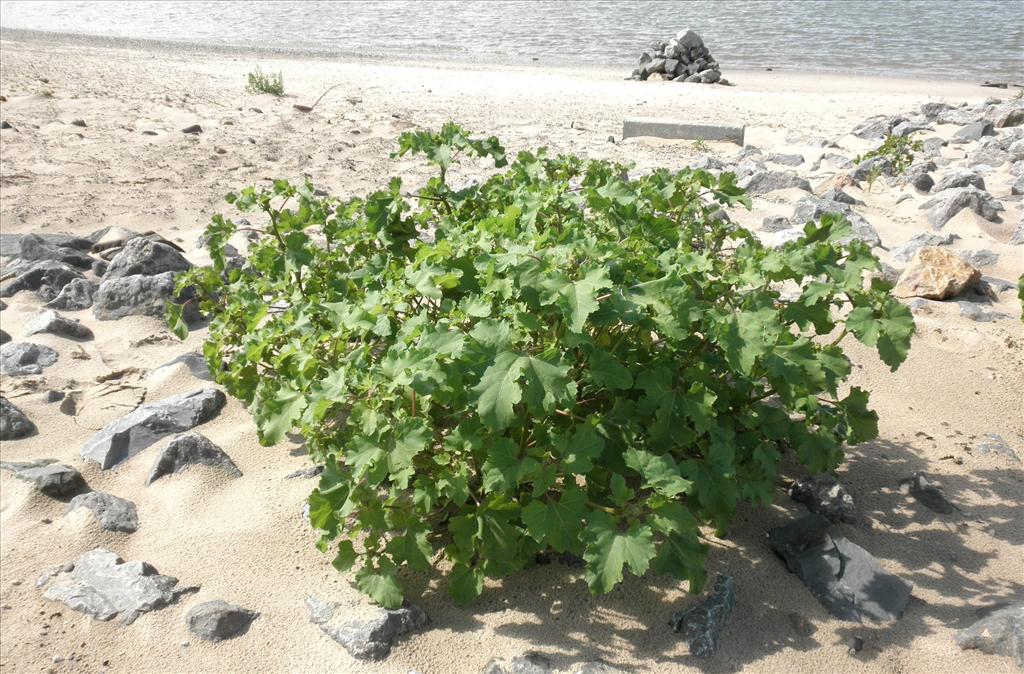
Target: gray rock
{"x":1017,"y":187}
{"x":49,"y":477}
{"x":931,"y":147}
{"x":1017,"y":237}
{"x":46,"y":277}
{"x":55,"y":324}
{"x":776,"y":223}
{"x":959,"y":178}
{"x":692,"y":78}
{"x":129,"y":435}
{"x":994,"y":444}
{"x":840,"y":161}
{"x":948,"y":203}
{"x":920,"y":178}
{"x":960,"y":116}
{"x":102,"y":585}
{"x":973,"y":131}
{"x":702,"y":625}
{"x":749,"y":167}
{"x":24,"y":358}
{"x":218,"y":620}
{"x":1012,"y":117}
{"x":76,"y":295}
{"x":195,"y":363}
{"x":1001,"y":632}
{"x":988,"y":156}
{"x":878,"y":126}
{"x":710,"y":76}
{"x":137,"y":295}
{"x":113,"y":513}
{"x":145,"y":256}
{"x":930,"y":496}
{"x":866,"y":168}
{"x":193,"y":129}
{"x":824,"y":495}
{"x":307,"y":473}
{"x":4,"y":337}
{"x":33,"y":247}
{"x":14,"y":425}
{"x":187,"y":450}
{"x":785,"y":159}
{"x":976,"y":312}
{"x":530,"y":663}
{"x":707,"y":163}
{"x":839,"y":196}
{"x":99,"y":268}
{"x":932,"y":110}
{"x":906,"y":252}
{"x":906,"y":128}
{"x":845,"y":578}
{"x":979,"y":258}
{"x":366,"y":639}
{"x":811,"y":208}
{"x":763,"y":182}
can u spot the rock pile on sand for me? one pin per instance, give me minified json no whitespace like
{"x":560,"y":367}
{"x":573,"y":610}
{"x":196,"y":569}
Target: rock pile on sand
{"x":684,"y":58}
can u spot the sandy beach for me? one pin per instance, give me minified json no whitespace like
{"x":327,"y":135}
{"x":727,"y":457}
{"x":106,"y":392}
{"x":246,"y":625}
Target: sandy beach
{"x":246,"y":541}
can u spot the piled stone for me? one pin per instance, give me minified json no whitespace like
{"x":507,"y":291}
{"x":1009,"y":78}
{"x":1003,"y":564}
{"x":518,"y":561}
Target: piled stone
{"x":684,"y":58}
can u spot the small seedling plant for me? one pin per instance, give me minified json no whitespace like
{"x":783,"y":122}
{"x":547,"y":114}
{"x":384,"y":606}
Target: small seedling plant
{"x":557,"y":358}
{"x":259,"y":82}
{"x":899,"y":150}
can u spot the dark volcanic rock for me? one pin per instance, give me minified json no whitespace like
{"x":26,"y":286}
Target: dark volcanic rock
{"x":930,"y":496}
{"x":848,"y":581}
{"x":55,"y":324}
{"x":823,"y":494}
{"x":75,"y":296}
{"x":366,"y":639}
{"x":102,"y":585}
{"x":218,"y":620}
{"x":702,"y":625}
{"x":113,"y":513}
{"x":137,"y":295}
{"x":24,"y":358}
{"x":51,"y":478}
{"x":127,"y":436}
{"x":187,"y":450}
{"x":14,"y":425}
{"x":145,"y":256}
{"x":46,"y":277}
{"x":34,"y":247}
{"x":1001,"y":632}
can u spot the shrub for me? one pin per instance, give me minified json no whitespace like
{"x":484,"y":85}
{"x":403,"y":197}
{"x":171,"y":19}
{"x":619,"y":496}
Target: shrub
{"x":897,"y":149}
{"x":557,"y":358}
{"x":260,"y":83}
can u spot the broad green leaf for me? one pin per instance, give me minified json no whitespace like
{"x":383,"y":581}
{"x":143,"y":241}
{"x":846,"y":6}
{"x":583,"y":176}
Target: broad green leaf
{"x":380,"y":585}
{"x":609,"y":550}
{"x":465,"y":584}
{"x":499,"y":390}
{"x":557,"y":522}
{"x":609,"y":372}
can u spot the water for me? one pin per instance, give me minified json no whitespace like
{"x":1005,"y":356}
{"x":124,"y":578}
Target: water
{"x":971,"y":40}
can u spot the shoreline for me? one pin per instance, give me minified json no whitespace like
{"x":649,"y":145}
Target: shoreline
{"x":453,"y":61}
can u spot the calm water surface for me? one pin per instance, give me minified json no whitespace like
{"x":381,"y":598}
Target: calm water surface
{"x":971,"y":40}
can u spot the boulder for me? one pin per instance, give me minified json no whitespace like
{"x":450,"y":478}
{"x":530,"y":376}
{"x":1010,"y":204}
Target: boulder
{"x":946,"y":204}
{"x":146,"y":256}
{"x":1008,"y":118}
{"x":811,"y":208}
{"x":960,"y":116}
{"x":369,"y":639}
{"x":102,"y":585}
{"x":919,"y":176}
{"x":979,"y":258}
{"x":824,"y":495}
{"x":878,"y":126}
{"x":55,"y":324}
{"x":137,"y":295}
{"x":49,"y":477}
{"x":874,"y":166}
{"x":930,"y":496}
{"x":701,"y":625}
{"x":188,"y":450}
{"x":762,"y":182}
{"x":46,"y":277}
{"x":113,"y":513}
{"x":218,"y":620}
{"x":14,"y":425}
{"x":905,"y":252}
{"x":18,"y":359}
{"x":908,"y":127}
{"x":959,"y":178}
{"x":973,"y":131}
{"x":844,"y":577}
{"x":1001,"y":632}
{"x":34,"y":247}
{"x":76,"y":295}
{"x":935,"y":274}
{"x":129,"y":435}
{"x":932,"y":110}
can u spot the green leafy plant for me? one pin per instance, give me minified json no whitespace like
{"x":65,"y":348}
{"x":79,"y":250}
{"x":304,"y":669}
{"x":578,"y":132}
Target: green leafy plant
{"x":700,"y":145}
{"x":899,"y":150}
{"x":558,"y":358}
{"x":259,"y":82}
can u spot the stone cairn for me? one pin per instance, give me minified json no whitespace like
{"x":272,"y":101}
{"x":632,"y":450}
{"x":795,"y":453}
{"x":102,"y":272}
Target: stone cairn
{"x":684,"y":58}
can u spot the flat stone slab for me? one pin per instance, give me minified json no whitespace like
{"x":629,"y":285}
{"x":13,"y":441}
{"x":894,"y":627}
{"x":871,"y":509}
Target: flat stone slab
{"x":218,"y":620}
{"x":103,"y":586}
{"x":129,"y":435}
{"x":51,"y":478}
{"x":112,"y":512}
{"x":189,"y":450}
{"x":366,"y":639}
{"x":676,"y":130}
{"x":701,"y":625}
{"x":1001,"y":632}
{"x":845,"y":578}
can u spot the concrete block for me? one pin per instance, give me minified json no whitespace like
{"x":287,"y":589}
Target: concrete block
{"x":667,"y":128}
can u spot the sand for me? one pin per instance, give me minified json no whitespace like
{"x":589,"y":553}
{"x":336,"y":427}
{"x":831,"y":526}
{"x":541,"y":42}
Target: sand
{"x":245,"y":540}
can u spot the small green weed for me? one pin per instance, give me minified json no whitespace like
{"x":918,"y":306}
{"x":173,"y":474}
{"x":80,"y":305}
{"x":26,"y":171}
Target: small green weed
{"x":262,"y":83}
